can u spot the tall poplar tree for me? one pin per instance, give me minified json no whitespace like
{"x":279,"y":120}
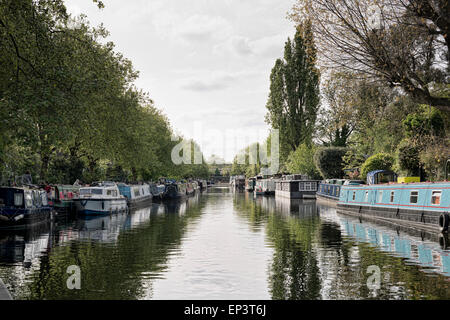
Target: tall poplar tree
{"x":294,"y":92}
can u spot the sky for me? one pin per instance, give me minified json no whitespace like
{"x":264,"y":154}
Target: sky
{"x":205,"y":63}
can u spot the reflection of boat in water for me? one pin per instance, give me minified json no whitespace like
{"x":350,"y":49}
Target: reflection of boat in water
{"x":426,"y":249}
{"x":25,"y":245}
{"x":101,"y":228}
{"x":303,"y":208}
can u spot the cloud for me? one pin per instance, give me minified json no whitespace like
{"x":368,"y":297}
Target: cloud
{"x":213,"y":83}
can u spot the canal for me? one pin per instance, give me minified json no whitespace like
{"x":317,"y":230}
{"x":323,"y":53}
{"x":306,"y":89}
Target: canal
{"x":223,"y":245}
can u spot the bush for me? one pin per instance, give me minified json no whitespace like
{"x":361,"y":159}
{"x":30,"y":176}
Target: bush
{"x":329,"y":162}
{"x":408,"y":158}
{"x":379,"y":161}
{"x":302,"y":161}
{"x":434,"y":158}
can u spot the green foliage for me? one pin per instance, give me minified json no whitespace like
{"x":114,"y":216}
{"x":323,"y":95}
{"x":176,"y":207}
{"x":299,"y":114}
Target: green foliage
{"x":329,"y":162}
{"x":68,"y":105}
{"x":427,"y":121}
{"x":302,"y":161}
{"x":294,"y":92}
{"x":408,"y":158}
{"x":434,"y":156}
{"x":379,"y":161}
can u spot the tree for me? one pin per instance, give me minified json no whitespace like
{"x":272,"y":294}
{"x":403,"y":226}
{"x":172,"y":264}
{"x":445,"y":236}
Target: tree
{"x":329,"y":163}
{"x":294,"y":92}
{"x":336,"y":122}
{"x":379,"y":161}
{"x":302,"y":161}
{"x":403,"y":43}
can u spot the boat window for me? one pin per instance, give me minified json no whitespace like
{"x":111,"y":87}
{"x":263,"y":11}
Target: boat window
{"x":380,"y":196}
{"x":436,"y":197}
{"x":44,"y":199}
{"x":18,"y":199}
{"x":366,"y":197}
{"x":414,"y":197}
{"x":354,"y":195}
{"x":392,"y":196}
{"x":136,"y":192}
{"x":36,"y":199}
{"x":112,"y":193}
{"x":91,"y":191}
{"x":28,"y":200}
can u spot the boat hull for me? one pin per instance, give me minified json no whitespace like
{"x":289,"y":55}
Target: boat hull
{"x":11,"y":218}
{"x":140,"y":202}
{"x":421,"y":205}
{"x":100,"y":206}
{"x":414,"y":218}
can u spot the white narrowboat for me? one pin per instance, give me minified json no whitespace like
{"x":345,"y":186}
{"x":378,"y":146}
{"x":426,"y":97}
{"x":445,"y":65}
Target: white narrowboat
{"x":103,"y":198}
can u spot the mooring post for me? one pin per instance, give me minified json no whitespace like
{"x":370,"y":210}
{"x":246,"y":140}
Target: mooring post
{"x":4,"y":293}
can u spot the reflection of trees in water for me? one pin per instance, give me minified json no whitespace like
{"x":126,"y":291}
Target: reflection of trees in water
{"x":121,"y":270}
{"x":313,"y":260}
{"x":294,"y":273}
{"x":251,"y":209}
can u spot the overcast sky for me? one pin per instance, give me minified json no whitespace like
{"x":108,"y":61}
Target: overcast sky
{"x":205,"y":63}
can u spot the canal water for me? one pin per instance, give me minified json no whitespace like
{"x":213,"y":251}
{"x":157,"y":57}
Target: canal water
{"x":224,"y":245}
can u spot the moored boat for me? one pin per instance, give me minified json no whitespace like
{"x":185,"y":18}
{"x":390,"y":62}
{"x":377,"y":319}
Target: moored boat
{"x":296,"y":187}
{"x":330,"y":189}
{"x":237,"y":182}
{"x":423,"y":204}
{"x":265,"y":187}
{"x":102,"y":198}
{"x":250,"y":184}
{"x":157,"y":191}
{"x":61,"y":197}
{"x":174,"y":190}
{"x":21,"y":206}
{"x":137,"y":195}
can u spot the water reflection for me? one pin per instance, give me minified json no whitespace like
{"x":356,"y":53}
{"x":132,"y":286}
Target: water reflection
{"x":327,"y":257}
{"x":224,"y":245}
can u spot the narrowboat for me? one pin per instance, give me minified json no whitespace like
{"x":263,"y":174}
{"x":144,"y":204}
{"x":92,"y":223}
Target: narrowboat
{"x":137,"y":195}
{"x":174,"y":190}
{"x":21,"y":206}
{"x":101,"y":198}
{"x":423,"y":204}
{"x":157,"y":191}
{"x":250,"y":184}
{"x":237,"y":183}
{"x":203,"y":185}
{"x":191,"y":187}
{"x":265,"y":187}
{"x":296,"y":187}
{"x":61,"y":197}
{"x":330,"y":189}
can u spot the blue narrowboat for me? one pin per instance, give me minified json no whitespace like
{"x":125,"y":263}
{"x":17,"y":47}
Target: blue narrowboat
{"x":21,"y":206}
{"x":137,"y":195}
{"x":331,"y":189}
{"x":423,"y":204}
